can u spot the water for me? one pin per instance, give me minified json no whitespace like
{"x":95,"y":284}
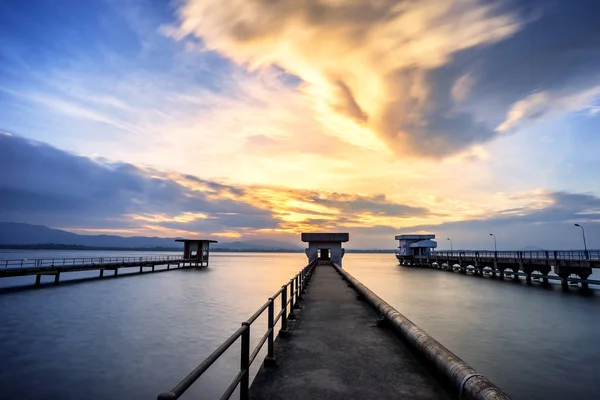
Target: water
{"x":134,"y":337}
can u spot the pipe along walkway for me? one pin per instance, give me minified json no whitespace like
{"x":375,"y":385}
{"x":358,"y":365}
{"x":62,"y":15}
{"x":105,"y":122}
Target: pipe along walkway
{"x":335,"y":350}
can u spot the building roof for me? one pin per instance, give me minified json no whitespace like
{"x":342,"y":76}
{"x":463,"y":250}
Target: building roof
{"x":414,"y":237}
{"x":325,"y":237}
{"x":196,"y":240}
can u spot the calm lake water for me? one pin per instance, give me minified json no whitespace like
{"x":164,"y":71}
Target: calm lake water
{"x":134,"y":337}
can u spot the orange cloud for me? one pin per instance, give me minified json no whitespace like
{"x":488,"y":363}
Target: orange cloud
{"x":363,"y":63}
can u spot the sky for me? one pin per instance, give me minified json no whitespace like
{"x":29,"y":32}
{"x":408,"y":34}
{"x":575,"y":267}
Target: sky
{"x":249,"y":119}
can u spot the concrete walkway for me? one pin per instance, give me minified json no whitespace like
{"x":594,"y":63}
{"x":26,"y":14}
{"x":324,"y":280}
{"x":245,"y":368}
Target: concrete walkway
{"x":337,"y":352}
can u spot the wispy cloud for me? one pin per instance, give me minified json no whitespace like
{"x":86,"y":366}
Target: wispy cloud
{"x":365,"y":61}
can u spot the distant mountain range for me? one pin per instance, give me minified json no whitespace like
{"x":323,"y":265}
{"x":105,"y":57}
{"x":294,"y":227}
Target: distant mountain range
{"x":40,"y":236}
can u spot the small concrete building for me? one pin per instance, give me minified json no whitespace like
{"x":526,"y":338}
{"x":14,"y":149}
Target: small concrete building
{"x":327,"y":247}
{"x":411,"y":245}
{"x":196,"y":250}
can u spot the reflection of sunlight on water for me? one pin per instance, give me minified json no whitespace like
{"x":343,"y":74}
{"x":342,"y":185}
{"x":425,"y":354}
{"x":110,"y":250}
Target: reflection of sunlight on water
{"x":137,"y":336}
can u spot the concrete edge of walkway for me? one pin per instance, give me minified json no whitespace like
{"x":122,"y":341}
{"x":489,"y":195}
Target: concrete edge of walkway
{"x":266,"y":380}
{"x":468,"y":383}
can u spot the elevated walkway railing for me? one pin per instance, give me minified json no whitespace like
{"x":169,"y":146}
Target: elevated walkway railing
{"x":468,"y":382}
{"x":526,"y":255}
{"x":294,"y":287}
{"x":67,"y":262}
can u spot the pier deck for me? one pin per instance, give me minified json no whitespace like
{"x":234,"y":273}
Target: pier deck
{"x":337,"y":352}
{"x":39,"y":267}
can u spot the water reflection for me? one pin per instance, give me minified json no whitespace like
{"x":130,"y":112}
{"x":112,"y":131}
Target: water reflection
{"x":135,"y":337}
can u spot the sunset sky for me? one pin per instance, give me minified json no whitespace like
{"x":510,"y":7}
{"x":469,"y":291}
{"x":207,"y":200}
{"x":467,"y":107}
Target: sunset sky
{"x":246,"y":119}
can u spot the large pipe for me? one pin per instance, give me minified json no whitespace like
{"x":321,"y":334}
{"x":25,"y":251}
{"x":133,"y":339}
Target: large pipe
{"x":469,"y":383}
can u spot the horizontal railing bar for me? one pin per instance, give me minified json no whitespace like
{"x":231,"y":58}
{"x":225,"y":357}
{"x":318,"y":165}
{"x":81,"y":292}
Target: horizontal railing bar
{"x":278,"y":316}
{"x":278,"y":292}
{"x":236,"y":381}
{"x":76,"y":261}
{"x":186,"y":382}
{"x":90,"y":258}
{"x":258,"y":313}
{"x":182,"y":386}
{"x":259,"y":346}
{"x":593,"y":255}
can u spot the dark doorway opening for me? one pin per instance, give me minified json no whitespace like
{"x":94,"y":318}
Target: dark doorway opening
{"x":324,"y":255}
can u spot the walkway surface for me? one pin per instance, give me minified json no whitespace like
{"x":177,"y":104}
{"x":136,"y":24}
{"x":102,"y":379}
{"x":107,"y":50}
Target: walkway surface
{"x":337,"y":352}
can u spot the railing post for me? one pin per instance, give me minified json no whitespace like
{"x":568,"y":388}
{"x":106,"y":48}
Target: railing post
{"x":284,"y":330}
{"x":270,"y":359}
{"x":245,"y":363}
{"x":292,"y":315}
{"x":298,"y":290}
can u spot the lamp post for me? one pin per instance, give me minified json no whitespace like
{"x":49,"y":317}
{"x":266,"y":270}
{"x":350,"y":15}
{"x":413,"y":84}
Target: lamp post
{"x":495,"y":244}
{"x":584,"y":243}
{"x":450,"y":243}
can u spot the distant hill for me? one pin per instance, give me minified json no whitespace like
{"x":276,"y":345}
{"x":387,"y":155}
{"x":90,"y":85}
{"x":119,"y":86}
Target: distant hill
{"x":13,"y":234}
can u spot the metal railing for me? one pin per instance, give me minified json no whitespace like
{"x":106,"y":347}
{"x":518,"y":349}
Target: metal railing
{"x":74,"y":262}
{"x":529,"y":255}
{"x":295,"y":287}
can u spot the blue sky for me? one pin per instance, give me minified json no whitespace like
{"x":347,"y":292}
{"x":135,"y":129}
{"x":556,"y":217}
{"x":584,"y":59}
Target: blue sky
{"x":378,"y":119}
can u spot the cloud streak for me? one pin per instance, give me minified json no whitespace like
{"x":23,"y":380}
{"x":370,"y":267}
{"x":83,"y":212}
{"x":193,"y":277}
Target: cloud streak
{"x":62,"y":190}
{"x":49,"y":186}
{"x":367,"y":60}
{"x":428,"y":78}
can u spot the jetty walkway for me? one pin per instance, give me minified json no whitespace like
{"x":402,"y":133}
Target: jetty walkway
{"x":336,"y":351}
{"x":195,"y":254}
{"x":339,"y":340}
{"x":56,"y":266}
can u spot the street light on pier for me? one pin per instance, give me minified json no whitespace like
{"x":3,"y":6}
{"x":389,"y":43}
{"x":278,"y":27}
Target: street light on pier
{"x":584,"y":243}
{"x":495,"y":244}
{"x":450,"y":243}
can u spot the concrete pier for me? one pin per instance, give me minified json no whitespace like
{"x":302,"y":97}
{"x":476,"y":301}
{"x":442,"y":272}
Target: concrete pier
{"x":196,"y":254}
{"x":336,"y":351}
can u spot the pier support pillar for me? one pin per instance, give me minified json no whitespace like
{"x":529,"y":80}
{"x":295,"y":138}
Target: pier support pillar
{"x":38,"y":279}
{"x":585,"y":285}
{"x":515,"y":276}
{"x":168,"y":266}
{"x":101,"y":273}
{"x":545,"y":281}
{"x":564,"y":282}
{"x":528,"y":278}
{"x":116,"y":271}
{"x":153,"y":268}
{"x":56,"y":278}
{"x":141,"y":269}
{"x":502,"y":274}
